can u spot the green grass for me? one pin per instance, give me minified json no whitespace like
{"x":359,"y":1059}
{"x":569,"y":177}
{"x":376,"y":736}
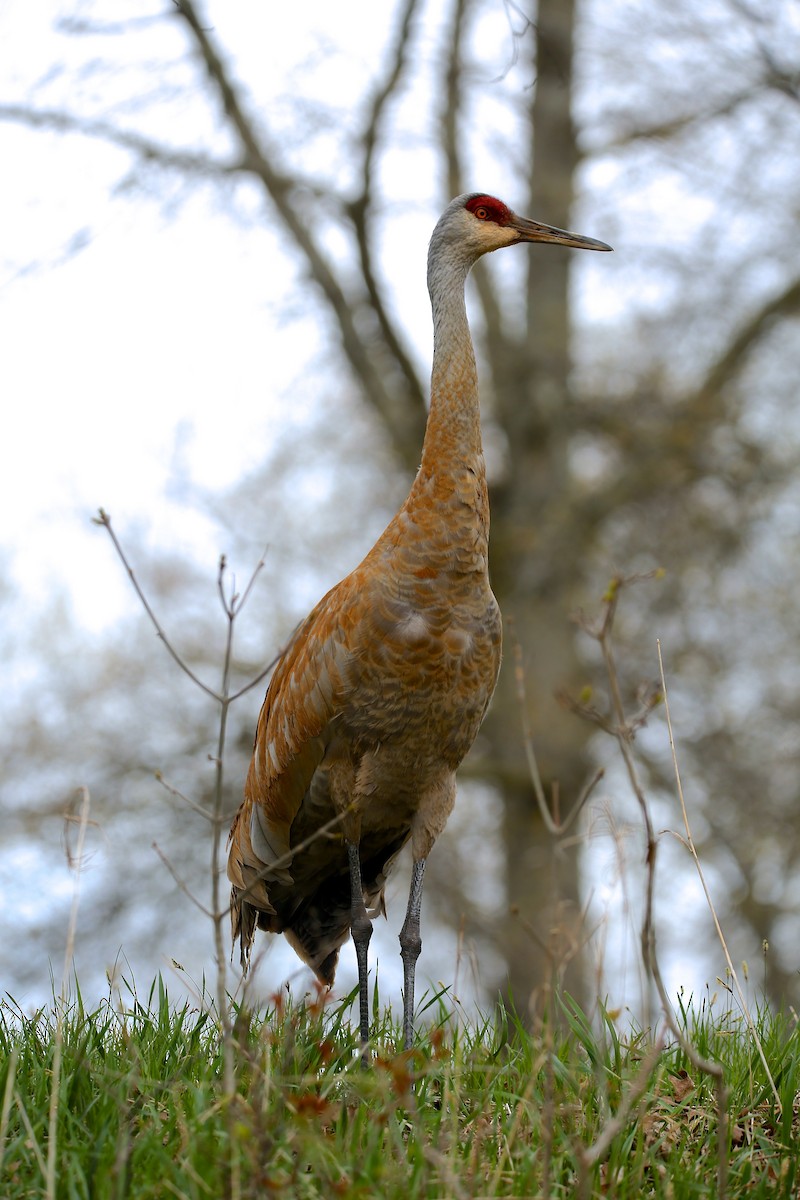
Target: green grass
{"x":492,"y":1110}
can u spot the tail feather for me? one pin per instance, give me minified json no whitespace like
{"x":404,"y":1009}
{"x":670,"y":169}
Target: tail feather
{"x":243,"y":927}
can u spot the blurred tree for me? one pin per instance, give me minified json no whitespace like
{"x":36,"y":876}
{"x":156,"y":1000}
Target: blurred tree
{"x":635,"y":431}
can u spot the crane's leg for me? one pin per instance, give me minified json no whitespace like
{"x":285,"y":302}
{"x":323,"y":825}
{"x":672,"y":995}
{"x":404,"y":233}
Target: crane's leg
{"x":361,"y":929}
{"x":410,"y":946}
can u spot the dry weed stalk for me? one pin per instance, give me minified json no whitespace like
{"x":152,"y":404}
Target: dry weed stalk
{"x":232,"y":604}
{"x":623,"y":727}
{"x":75,"y":862}
{"x":688,"y":842}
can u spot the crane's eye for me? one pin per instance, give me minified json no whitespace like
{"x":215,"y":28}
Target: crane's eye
{"x":481,"y":213}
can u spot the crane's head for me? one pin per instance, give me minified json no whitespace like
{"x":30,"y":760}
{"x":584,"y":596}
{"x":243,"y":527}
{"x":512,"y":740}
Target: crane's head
{"x":475,"y":223}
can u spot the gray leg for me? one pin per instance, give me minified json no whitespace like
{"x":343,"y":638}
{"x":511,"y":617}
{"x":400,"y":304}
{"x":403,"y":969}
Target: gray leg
{"x":361,"y":929}
{"x":410,"y":946}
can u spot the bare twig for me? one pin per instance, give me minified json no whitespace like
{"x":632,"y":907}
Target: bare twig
{"x":228,"y":602}
{"x":236,"y":605}
{"x":726,"y":368}
{"x":187,"y":800}
{"x":257,"y":569}
{"x":554,"y":825}
{"x":259,"y":678}
{"x":105,"y":520}
{"x":624,"y":734}
{"x":677,"y":122}
{"x":184,"y":887}
{"x":228,"y":1046}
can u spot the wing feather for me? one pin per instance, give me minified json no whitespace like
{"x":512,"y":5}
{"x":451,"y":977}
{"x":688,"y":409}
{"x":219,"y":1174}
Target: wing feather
{"x":292,"y":736}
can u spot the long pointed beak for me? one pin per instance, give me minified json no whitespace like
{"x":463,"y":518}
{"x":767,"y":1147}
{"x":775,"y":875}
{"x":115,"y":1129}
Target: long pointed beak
{"x":533,"y":231}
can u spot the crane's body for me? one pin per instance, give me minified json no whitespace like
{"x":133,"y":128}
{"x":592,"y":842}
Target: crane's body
{"x":382,"y":690}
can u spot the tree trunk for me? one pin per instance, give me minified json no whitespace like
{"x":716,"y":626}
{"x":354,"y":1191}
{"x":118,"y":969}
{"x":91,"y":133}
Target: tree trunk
{"x":534,"y":570}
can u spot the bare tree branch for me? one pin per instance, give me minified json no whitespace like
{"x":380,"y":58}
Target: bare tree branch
{"x":624,"y":733}
{"x":727,"y":366}
{"x":281,"y":190}
{"x":359,"y":209}
{"x":554,"y":823}
{"x":170,"y":157}
{"x":677,"y":123}
{"x":677,"y":437}
{"x":452,"y":99}
{"x":81,"y":26}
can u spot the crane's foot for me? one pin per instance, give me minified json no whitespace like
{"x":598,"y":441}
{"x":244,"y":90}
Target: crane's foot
{"x":410,"y":947}
{"x":361,"y":930}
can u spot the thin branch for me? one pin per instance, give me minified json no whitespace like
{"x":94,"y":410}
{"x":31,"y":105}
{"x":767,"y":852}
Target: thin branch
{"x":557,"y":826}
{"x":187,"y":800}
{"x":219,"y":914}
{"x":237,"y":605}
{"x":624,"y":736}
{"x":248,"y":687}
{"x":105,"y":520}
{"x":228,"y":605}
{"x":359,"y":209}
{"x":785,"y":304}
{"x":83,"y":27}
{"x":181,"y":883}
{"x":648,"y":937}
{"x":257,"y":569}
{"x":679,"y":122}
{"x":232,"y":609}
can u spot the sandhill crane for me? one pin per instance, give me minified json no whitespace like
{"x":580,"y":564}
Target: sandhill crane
{"x":383,"y":687}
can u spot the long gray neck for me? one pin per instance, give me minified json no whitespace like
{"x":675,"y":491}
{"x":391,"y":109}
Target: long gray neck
{"x":453,"y":432}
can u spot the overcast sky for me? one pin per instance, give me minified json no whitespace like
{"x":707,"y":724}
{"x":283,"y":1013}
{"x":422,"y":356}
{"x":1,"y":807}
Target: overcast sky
{"x":127,"y":335}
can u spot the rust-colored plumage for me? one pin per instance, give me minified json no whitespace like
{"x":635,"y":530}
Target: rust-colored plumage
{"x":384,"y":686}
